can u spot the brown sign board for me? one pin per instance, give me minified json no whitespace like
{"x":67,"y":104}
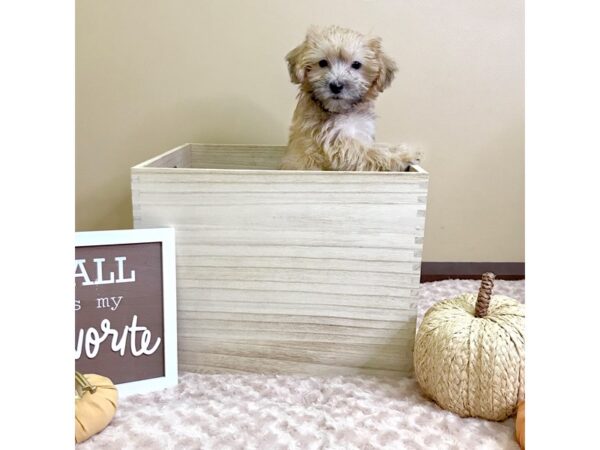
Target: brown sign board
{"x":125,"y":307}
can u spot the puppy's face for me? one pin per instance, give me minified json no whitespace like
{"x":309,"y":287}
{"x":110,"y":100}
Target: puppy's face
{"x":340,"y":68}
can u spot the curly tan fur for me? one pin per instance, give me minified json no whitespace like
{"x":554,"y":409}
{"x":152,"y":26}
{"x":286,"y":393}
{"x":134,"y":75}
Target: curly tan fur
{"x":336,"y":130}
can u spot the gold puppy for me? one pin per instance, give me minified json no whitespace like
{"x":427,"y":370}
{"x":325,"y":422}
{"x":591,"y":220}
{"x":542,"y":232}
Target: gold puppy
{"x":340,"y":73}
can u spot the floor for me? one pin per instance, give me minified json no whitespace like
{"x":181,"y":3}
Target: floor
{"x":266,"y":411}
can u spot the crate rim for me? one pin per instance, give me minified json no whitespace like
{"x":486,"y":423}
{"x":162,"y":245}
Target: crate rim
{"x":143,"y":166}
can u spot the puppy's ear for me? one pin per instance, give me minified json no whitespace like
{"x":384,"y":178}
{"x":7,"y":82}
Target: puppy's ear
{"x":295,"y":67}
{"x":387,"y":66}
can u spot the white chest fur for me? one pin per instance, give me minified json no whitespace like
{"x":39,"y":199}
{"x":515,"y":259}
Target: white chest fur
{"x":356,"y":125}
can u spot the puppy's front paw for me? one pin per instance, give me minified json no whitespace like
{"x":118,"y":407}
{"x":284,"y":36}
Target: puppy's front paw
{"x":417,"y":155}
{"x":404,"y":155}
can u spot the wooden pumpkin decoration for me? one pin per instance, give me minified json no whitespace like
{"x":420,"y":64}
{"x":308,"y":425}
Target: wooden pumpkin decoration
{"x":95,"y":404}
{"x":470,"y":353}
{"x":520,"y":424}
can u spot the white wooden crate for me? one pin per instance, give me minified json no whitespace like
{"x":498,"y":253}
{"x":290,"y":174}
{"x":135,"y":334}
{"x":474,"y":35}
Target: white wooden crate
{"x":287,"y":271}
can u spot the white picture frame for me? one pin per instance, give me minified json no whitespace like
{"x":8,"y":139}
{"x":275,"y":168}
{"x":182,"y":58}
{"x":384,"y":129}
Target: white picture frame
{"x":166,"y":236}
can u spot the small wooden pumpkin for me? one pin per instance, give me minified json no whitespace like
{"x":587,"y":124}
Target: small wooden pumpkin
{"x":95,"y":404}
{"x":470,"y":353}
{"x":520,"y":424}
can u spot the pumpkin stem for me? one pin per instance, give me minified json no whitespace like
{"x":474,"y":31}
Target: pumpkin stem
{"x":485,"y":294}
{"x":82,"y":384}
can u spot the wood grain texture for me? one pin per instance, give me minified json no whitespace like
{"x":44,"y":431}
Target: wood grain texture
{"x":287,"y":271}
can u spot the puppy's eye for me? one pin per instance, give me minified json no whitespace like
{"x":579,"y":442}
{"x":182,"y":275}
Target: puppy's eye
{"x":323,"y":63}
{"x":356,"y":65}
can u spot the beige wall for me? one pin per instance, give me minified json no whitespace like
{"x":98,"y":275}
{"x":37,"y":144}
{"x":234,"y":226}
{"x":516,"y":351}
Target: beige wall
{"x":154,"y":74}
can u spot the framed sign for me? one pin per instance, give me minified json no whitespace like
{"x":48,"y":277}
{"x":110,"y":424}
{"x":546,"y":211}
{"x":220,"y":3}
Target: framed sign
{"x":125,"y":307}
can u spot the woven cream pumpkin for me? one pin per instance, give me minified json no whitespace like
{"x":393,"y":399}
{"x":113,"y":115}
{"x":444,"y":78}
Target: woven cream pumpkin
{"x":95,"y":404}
{"x":470,"y":353}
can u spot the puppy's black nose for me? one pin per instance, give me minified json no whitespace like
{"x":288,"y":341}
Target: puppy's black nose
{"x":336,"y":87}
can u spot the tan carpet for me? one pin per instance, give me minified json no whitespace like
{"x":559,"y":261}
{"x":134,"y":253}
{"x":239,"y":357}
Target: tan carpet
{"x":270,"y":412}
